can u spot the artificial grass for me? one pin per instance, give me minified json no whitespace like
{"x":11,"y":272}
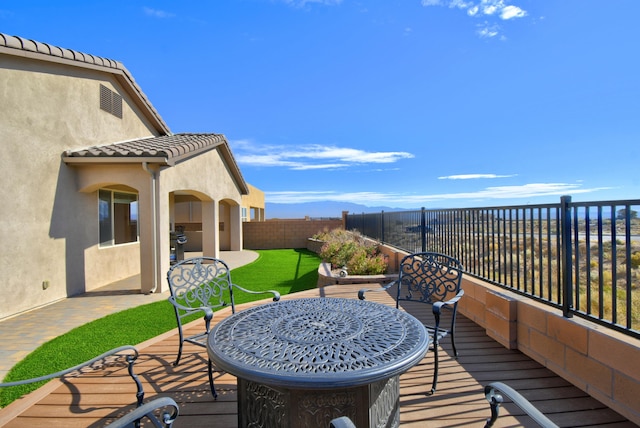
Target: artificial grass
{"x":286,"y":271}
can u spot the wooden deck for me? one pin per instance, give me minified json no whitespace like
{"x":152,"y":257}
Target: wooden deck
{"x":92,"y":400}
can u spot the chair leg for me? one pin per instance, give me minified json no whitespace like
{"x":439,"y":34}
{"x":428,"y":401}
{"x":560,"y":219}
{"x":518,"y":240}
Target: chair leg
{"x":213,"y":389}
{"x":453,"y":343}
{"x":180,"y":335}
{"x":435,"y":369}
{"x":136,"y":379}
{"x":179,"y":354}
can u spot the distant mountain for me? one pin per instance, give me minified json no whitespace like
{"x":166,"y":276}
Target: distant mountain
{"x":319,"y":209}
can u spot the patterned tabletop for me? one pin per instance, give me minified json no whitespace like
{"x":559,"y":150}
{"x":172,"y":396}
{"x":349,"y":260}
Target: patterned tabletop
{"x":318,"y":343}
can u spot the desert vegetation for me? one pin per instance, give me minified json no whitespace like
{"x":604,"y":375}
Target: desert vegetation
{"x":351,"y":251}
{"x":521,"y":249}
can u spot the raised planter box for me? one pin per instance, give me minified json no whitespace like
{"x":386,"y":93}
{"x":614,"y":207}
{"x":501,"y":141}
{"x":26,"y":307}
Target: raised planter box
{"x":314,"y":245}
{"x":327,"y":277}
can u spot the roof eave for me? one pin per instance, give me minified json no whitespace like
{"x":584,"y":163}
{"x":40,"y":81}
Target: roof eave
{"x":186,"y":156}
{"x":96,"y":160}
{"x":233,"y":167}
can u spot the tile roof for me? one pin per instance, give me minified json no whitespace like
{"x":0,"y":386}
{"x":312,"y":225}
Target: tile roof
{"x":29,"y":45}
{"x":171,"y":148}
{"x":166,"y":150}
{"x":20,"y":46}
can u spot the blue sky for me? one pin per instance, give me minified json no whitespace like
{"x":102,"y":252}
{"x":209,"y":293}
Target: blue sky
{"x":397,"y":103}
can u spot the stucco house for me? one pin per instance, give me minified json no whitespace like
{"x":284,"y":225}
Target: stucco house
{"x":92,"y":176}
{"x":253,"y":205}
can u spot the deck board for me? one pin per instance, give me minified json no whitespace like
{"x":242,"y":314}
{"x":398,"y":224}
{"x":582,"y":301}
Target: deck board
{"x":93,"y":400}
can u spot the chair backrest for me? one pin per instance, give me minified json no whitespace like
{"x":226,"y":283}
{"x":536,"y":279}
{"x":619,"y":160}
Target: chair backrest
{"x":201,"y":281}
{"x":428,"y":277}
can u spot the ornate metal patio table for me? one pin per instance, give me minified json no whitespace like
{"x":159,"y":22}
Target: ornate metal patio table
{"x":301,"y":363}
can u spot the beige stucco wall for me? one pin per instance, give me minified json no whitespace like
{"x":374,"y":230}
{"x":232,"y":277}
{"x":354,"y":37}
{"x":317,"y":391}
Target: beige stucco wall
{"x":254,"y":201}
{"x":103,"y":265}
{"x":255,"y":198}
{"x":49,"y":229}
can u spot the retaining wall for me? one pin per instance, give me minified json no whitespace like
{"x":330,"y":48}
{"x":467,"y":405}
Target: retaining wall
{"x":596,"y":359}
{"x":326,"y":277}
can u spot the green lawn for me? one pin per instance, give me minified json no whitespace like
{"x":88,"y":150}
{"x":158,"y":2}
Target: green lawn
{"x":286,"y":271}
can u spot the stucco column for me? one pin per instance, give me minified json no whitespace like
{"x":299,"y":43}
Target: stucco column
{"x":145,"y":225}
{"x":235,"y":218}
{"x":210,"y":235}
{"x":163,"y":238}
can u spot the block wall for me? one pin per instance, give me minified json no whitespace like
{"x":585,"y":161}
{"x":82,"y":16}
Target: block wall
{"x":601,"y":362}
{"x":273,"y":234}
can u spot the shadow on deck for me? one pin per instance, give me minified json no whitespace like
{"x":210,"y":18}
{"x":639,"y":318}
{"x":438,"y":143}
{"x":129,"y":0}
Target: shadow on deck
{"x":92,"y":401}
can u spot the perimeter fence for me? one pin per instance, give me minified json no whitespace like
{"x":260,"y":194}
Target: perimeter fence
{"x":581,"y":257}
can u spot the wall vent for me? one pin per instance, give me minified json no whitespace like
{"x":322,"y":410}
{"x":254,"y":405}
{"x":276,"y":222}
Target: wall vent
{"x":110,"y":101}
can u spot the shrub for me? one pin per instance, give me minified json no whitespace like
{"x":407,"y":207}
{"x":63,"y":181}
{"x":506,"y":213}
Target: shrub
{"x":635,"y":260}
{"x":351,"y":250}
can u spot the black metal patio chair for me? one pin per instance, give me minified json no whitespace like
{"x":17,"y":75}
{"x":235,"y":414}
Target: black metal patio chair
{"x":433,"y":279}
{"x":201,"y":285}
{"x":164,"y":407}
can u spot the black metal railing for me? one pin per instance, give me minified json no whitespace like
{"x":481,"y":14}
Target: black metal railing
{"x":581,"y":257}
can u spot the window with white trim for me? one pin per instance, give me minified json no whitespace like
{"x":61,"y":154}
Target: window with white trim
{"x":118,"y":213}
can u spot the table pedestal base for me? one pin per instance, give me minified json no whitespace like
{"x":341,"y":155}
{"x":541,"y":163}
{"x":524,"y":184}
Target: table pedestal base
{"x":373,"y":405}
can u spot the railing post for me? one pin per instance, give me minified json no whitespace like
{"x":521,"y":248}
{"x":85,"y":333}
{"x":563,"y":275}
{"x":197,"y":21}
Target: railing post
{"x":423,"y":229}
{"x":382,"y":226}
{"x":567,"y":264}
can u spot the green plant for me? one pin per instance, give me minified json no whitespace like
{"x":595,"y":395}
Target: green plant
{"x":351,"y":250}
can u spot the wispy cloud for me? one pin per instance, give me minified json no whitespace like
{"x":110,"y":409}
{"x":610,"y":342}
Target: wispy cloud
{"x":489,"y":9}
{"x":473,"y":176}
{"x":293,"y":197}
{"x":303,"y":3}
{"x":525,"y":191}
{"x":307,"y":157}
{"x":510,"y":12}
{"x":156,"y":13}
{"x":486,"y":30}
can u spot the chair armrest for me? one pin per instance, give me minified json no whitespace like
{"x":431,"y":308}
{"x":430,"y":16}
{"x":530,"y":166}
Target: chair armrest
{"x":169,"y":414}
{"x":341,"y":422}
{"x":276,"y":295}
{"x":437,"y":306}
{"x":362,"y":291}
{"x":494,"y":393}
{"x":130,"y":353}
{"x":208,"y":312}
